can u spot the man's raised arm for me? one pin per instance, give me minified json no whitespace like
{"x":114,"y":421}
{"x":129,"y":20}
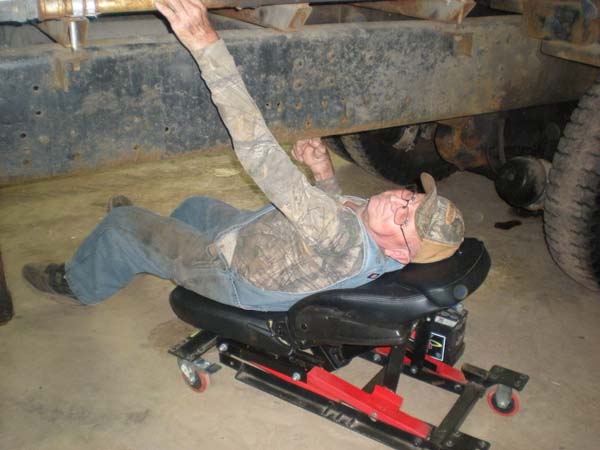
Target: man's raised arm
{"x":309,"y":208}
{"x":315,"y":155}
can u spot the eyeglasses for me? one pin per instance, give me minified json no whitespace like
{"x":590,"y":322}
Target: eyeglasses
{"x":401,"y":216}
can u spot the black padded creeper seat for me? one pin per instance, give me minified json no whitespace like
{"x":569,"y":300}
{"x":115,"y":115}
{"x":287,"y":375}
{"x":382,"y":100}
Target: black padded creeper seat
{"x":378,"y":313}
{"x":294,"y":354}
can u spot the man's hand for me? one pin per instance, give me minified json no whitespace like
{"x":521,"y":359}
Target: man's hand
{"x":189,"y":21}
{"x":314,"y":154}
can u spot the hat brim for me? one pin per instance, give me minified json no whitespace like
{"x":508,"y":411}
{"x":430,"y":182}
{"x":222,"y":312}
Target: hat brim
{"x":426,"y":209}
{"x":430,"y":252}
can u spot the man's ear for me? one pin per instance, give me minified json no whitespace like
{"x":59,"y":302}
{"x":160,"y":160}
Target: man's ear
{"x":402,"y":255}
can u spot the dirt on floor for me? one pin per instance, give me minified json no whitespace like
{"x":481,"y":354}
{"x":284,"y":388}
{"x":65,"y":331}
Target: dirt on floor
{"x":100,"y":377}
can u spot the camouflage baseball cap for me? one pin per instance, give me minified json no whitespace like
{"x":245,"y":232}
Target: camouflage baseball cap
{"x":439,"y":224}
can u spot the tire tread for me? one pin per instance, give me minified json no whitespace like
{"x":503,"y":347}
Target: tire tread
{"x":572,"y":210}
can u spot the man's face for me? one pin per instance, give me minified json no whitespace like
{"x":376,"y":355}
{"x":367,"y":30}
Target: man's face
{"x":387,"y":216}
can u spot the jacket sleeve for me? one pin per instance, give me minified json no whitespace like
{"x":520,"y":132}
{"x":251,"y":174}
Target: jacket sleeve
{"x":313,"y":212}
{"x":331,"y":187}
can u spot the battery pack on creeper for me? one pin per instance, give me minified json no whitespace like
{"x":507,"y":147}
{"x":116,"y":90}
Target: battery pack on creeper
{"x":446,"y":340}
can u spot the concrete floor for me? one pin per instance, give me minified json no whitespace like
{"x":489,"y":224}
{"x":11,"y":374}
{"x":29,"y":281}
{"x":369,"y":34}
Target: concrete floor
{"x":100,"y":377}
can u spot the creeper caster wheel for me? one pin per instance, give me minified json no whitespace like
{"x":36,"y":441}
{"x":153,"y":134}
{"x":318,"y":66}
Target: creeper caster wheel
{"x":503,"y":400}
{"x":195,"y":378}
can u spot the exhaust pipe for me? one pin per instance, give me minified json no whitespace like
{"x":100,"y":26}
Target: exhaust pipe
{"x":56,"y":9}
{"x":27,"y":10}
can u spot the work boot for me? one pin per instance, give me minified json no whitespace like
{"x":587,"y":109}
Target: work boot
{"x":117,"y":201}
{"x":50,"y":279}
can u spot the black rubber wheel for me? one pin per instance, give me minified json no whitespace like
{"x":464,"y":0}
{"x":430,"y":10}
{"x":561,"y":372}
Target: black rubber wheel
{"x":374,"y":152}
{"x":572,"y":207}
{"x":197,"y":380}
{"x":510,"y":410}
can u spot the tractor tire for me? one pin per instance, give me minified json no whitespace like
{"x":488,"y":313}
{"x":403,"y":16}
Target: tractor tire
{"x":572,"y":207}
{"x":374,"y":152}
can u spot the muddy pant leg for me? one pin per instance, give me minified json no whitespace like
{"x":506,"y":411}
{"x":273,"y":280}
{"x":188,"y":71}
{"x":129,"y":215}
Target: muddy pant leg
{"x":132,"y":240}
{"x":206,"y":214}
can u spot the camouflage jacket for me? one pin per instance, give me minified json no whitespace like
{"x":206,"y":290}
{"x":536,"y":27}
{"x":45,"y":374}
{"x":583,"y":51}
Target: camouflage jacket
{"x":310,"y":240}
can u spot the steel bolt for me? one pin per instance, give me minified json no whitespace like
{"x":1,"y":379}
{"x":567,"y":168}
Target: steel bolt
{"x":296,"y":376}
{"x":373,"y":416}
{"x":376,"y":357}
{"x":414,"y":370}
{"x":223,"y":347}
{"x":74,"y":35}
{"x":449,"y":443}
{"x":457,"y":387}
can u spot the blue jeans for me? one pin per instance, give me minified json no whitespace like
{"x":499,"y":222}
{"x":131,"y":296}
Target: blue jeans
{"x":132,"y":240}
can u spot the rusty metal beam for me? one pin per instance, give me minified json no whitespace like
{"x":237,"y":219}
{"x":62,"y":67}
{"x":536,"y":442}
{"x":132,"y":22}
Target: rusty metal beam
{"x":278,"y":17}
{"x":587,"y":54}
{"x":440,"y":10}
{"x":120,"y":101}
{"x":575,"y":21}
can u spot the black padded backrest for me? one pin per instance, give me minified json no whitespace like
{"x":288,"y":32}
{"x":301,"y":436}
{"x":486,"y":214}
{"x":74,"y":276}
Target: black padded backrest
{"x":366,"y":315}
{"x":449,"y":281}
{"x":377,"y":313}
